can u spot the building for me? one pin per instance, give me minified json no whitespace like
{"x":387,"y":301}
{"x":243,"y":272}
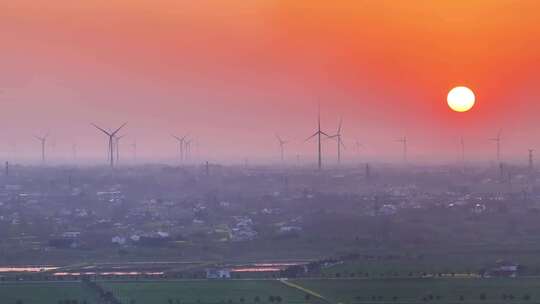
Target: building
{"x":218,"y":273}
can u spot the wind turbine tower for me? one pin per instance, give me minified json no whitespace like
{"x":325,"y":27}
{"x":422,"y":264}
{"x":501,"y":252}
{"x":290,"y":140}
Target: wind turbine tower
{"x":134,"y":147}
{"x":181,"y":142}
{"x":462,"y":143}
{"x":531,"y":160}
{"x":339,"y":140}
{"x":111,"y":135}
{"x":187,"y":146}
{"x":117,"y":146}
{"x":403,"y":141}
{"x":318,"y":133}
{"x":282,"y":144}
{"x":74,"y":151}
{"x":497,"y":140}
{"x":43,"y":141}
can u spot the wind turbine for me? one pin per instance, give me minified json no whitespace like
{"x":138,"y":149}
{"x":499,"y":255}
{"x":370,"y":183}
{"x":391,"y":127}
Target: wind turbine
{"x":181,"y":142}
{"x":43,"y":140}
{"x":339,"y":140}
{"x":497,"y":140}
{"x":358,"y":146}
{"x":531,"y":160}
{"x":74,"y":151}
{"x":403,"y":141}
{"x":134,"y":147}
{"x":111,"y":135}
{"x":462,"y":143}
{"x":117,"y":146}
{"x":318,"y":133}
{"x":282,"y":144}
{"x":188,"y":148}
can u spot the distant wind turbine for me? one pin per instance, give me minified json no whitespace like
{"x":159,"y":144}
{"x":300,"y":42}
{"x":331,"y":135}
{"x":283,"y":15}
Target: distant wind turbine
{"x":282,"y":144}
{"x":117,"y":146}
{"x":339,"y":139}
{"x":74,"y":151}
{"x":403,"y":141}
{"x":497,"y":140}
{"x":111,"y":135}
{"x":462,"y":143}
{"x":181,"y":146}
{"x":319,"y":133}
{"x":531,"y":160}
{"x":43,"y":141}
{"x":134,"y":147}
{"x":187,"y":151}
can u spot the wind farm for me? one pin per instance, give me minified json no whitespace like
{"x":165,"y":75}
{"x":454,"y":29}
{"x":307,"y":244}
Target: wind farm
{"x":269,"y":152}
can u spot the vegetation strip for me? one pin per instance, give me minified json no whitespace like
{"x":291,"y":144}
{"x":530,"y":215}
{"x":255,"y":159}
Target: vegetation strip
{"x":303,"y":289}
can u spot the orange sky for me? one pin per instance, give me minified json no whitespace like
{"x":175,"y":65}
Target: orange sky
{"x":232,"y":73}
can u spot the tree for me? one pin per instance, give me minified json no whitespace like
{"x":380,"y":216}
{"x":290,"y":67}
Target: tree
{"x":526,"y":297}
{"x":271,"y":299}
{"x":307,"y":297}
{"x":278,"y":299}
{"x":483,"y":296}
{"x":256,"y":299}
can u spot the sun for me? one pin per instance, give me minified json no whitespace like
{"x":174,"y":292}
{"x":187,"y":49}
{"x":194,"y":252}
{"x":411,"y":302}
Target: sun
{"x":460,"y":99}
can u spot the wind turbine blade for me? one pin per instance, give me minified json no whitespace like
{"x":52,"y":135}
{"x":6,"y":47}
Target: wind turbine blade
{"x":339,"y":126}
{"x":99,"y":128}
{"x":116,"y":131}
{"x":314,"y":134}
{"x":324,"y":134}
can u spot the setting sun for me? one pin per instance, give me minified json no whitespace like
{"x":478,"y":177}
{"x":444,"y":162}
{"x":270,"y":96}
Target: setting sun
{"x":460,"y":99}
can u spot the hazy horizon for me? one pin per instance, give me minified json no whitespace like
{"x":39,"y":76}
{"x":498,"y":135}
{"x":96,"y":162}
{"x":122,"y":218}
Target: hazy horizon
{"x":234,"y":74}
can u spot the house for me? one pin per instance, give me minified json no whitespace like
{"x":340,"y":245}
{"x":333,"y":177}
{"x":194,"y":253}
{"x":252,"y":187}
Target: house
{"x":71,"y":235}
{"x":118,"y":240}
{"x":218,"y":273}
{"x":504,"y":269}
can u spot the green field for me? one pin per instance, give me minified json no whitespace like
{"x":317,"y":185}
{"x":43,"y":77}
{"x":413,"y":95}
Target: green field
{"x":45,"y":293}
{"x":204,"y":291}
{"x":346,"y":291}
{"x":426,"y":290}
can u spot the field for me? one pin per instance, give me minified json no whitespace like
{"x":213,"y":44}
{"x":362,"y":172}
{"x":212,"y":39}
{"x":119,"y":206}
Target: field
{"x":45,"y":293}
{"x":346,"y":291}
{"x":426,"y":290}
{"x":236,"y":291}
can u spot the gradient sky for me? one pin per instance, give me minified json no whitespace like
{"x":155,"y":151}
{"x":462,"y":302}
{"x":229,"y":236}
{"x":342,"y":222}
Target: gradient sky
{"x":232,"y":73}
